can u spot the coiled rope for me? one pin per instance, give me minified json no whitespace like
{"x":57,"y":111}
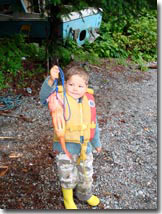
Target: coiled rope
{"x":10,"y":102}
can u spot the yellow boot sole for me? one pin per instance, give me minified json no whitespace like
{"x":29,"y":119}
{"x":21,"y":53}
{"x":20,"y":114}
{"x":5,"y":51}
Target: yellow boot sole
{"x":93,"y":201}
{"x":70,"y":206}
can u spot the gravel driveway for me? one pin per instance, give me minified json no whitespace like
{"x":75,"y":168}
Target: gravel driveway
{"x":125,"y":173}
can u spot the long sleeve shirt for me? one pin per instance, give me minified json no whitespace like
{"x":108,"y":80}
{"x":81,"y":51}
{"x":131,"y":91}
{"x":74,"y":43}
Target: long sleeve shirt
{"x":73,"y":148}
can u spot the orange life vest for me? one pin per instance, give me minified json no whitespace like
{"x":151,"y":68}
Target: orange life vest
{"x":82,"y":121}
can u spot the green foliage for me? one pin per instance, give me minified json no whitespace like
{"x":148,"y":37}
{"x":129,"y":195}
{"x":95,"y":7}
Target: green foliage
{"x":10,"y":57}
{"x":120,"y":10}
{"x":143,"y":37}
{"x":128,"y":30}
{"x":60,"y":52}
{"x":134,"y":37}
{"x":83,"y":53}
{"x":12,"y":52}
{"x":69,"y":50}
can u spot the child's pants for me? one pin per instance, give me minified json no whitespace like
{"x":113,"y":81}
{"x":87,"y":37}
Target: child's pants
{"x":76,"y":176}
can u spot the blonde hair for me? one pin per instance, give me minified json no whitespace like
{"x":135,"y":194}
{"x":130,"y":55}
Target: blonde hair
{"x":77,"y":70}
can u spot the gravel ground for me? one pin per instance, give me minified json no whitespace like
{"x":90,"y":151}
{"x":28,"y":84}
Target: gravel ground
{"x":125,"y":172}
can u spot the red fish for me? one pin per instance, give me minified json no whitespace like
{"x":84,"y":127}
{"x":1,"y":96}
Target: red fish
{"x":55,"y":106}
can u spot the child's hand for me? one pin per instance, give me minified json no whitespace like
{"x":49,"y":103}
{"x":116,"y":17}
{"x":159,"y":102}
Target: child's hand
{"x":98,"y":149}
{"x":54,"y":74}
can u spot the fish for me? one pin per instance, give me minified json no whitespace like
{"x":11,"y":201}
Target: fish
{"x":55,"y":105}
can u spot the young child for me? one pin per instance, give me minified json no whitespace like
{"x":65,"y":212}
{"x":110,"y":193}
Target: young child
{"x":81,"y":136}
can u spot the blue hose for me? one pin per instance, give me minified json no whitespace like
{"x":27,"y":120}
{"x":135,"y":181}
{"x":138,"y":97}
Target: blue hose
{"x":9,"y":102}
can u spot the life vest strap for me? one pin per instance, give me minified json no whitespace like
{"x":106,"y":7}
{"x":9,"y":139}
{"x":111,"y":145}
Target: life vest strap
{"x":82,"y":156}
{"x":81,"y":127}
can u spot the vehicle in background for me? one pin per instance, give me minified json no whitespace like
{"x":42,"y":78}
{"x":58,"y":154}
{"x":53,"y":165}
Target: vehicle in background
{"x":20,"y":16}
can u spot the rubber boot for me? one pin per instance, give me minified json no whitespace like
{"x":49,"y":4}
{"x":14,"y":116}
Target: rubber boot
{"x":68,"y":199}
{"x":93,"y":200}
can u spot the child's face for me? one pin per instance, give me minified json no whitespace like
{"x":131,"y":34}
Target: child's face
{"x":76,"y":86}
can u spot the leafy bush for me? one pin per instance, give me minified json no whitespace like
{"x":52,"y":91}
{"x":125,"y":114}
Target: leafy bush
{"x":130,"y":37}
{"x":69,"y":50}
{"x":12,"y":52}
{"x":143,"y":37}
